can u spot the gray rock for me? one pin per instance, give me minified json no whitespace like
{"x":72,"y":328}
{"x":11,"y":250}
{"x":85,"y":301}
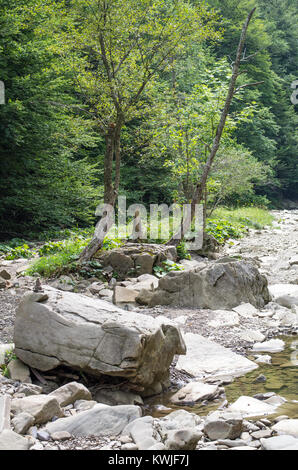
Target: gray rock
{"x":123,"y":295}
{"x":180,"y":419}
{"x":84,"y":405}
{"x":223,"y":425}
{"x":194,"y":392}
{"x":18,"y":371}
{"x":219,"y":286}
{"x":5,"y":274}
{"x":42,"y":407}
{"x":183,"y":439}
{"x":142,"y":432}
{"x":92,"y":335}
{"x":43,"y":436}
{"x":101,"y":420}
{"x":205,"y":357}
{"x":287,"y":301}
{"x":10,"y":440}
{"x":117,"y":397}
{"x":22,"y":422}
{"x":263,"y":434}
{"x":29,"y":389}
{"x":60,"y":436}
{"x":70,"y":393}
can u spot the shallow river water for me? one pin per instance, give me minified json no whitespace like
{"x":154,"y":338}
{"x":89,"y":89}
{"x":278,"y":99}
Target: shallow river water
{"x":281,"y":378}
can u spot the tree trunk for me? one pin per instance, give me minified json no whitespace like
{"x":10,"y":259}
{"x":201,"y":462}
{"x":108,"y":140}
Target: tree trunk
{"x":200,"y":188}
{"x":110,"y":190}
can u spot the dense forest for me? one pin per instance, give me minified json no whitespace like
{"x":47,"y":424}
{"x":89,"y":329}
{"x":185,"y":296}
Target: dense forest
{"x":171,"y":64}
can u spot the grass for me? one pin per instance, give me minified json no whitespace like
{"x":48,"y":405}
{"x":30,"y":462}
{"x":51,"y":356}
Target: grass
{"x":58,"y":263}
{"x":61,"y":257}
{"x":251,"y":217}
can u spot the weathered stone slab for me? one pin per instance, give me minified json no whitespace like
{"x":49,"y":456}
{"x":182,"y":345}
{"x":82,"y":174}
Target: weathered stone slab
{"x":101,"y":420}
{"x":207,"y":358}
{"x":62,"y":328}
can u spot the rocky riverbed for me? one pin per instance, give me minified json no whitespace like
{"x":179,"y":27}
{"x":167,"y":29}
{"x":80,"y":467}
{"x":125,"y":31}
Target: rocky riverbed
{"x":234,"y":389}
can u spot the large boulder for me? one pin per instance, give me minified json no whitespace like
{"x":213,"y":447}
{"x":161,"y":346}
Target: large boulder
{"x":217,"y":286}
{"x":136,"y":258}
{"x":62,"y":328}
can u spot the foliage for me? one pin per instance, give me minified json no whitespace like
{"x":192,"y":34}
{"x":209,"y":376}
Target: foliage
{"x":166,"y":267}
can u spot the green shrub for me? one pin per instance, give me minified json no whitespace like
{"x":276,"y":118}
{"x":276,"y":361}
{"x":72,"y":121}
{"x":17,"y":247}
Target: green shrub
{"x":167,"y":266}
{"x":222,"y":230}
{"x":19,"y":252}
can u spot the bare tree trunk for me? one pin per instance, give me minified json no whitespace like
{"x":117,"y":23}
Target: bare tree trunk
{"x":110,"y":190}
{"x":199,"y":191}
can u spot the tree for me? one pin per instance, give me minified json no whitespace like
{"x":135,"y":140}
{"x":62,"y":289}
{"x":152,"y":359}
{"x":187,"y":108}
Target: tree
{"x":120,"y":47}
{"x":201,"y":185}
{"x":45,"y":177}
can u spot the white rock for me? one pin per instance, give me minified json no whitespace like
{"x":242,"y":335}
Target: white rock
{"x":246,"y":310}
{"x":272,"y":346}
{"x":287,"y":426}
{"x":251,"y":336}
{"x":195,"y":392}
{"x":249,"y":407}
{"x":277,"y":290}
{"x":278,"y":442}
{"x":263,"y":359}
{"x":223,"y":318}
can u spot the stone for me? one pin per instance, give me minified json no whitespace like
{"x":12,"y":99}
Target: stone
{"x":224,"y":318}
{"x":117,"y":397}
{"x":280,"y":418}
{"x":22,"y":422}
{"x":180,"y":419}
{"x":218,"y":286}
{"x":5,"y":404}
{"x":246,"y":310}
{"x":195,"y":392}
{"x":287,"y":301}
{"x":64,"y":283}
{"x":62,"y":328}
{"x":142,"y":432}
{"x":182,"y":439}
{"x":70,"y":393}
{"x":18,"y":371}
{"x":96,"y":287}
{"x":278,"y":442}
{"x":5,"y":274}
{"x":263,"y":359}
{"x":101,"y":420}
{"x":278,"y":290}
{"x":262,"y":434}
{"x":9,"y":440}
{"x":272,"y":346}
{"x":251,"y":336}
{"x":29,"y":389}
{"x":248,"y":407}
{"x":42,"y":407}
{"x":84,"y":405}
{"x":129,"y":446}
{"x":60,"y":436}
{"x":205,"y":357}
{"x":287,"y":426}
{"x":293,"y":260}
{"x":123,"y":295}
{"x":223,"y":425}
{"x":244,"y":448}
{"x":43,"y":436}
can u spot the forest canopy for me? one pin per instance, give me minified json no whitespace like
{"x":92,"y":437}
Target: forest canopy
{"x":146,"y":79}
